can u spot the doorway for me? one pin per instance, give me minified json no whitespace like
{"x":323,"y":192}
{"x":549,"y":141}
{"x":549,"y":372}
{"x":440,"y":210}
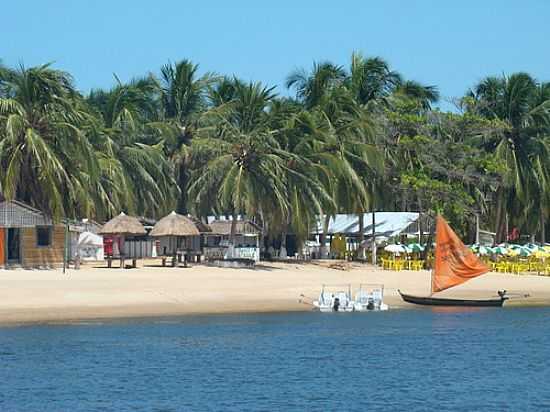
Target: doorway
{"x":13,"y":249}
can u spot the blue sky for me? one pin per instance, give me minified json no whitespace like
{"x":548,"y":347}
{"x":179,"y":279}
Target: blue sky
{"x":451,"y":44}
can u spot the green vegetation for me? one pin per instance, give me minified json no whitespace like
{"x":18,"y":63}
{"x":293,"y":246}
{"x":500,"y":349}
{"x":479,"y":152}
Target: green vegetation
{"x":352,"y":139}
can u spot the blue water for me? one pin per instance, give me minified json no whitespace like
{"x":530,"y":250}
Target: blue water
{"x":416,"y":360}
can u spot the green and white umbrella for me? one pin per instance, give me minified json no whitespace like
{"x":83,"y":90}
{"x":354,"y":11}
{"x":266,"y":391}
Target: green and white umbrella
{"x":485,"y":250}
{"x":534,"y":247}
{"x":500,"y":250}
{"x":415,"y":248}
{"x":481,"y":250}
{"x":520,"y":251}
{"x":396,"y":248}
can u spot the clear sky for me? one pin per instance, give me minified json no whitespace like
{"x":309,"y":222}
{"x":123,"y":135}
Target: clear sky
{"x":451,"y":44}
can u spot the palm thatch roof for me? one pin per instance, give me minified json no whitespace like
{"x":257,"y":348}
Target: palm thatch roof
{"x":175,"y":225}
{"x":203,"y":227}
{"x":123,"y":225}
{"x":242,"y":227}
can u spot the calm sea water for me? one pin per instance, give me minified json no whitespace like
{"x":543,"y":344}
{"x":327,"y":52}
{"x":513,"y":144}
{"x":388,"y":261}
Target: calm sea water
{"x":417,"y":360}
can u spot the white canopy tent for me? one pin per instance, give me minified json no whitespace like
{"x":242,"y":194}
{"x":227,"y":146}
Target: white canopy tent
{"x":90,"y":246}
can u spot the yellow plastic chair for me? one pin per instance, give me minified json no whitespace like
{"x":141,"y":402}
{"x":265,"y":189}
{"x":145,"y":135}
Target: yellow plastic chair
{"x":399,"y":265}
{"x":418,"y":265}
{"x":501,"y":267}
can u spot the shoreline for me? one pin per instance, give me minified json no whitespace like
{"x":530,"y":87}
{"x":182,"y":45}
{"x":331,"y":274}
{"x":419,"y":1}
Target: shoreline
{"x":95,"y":293}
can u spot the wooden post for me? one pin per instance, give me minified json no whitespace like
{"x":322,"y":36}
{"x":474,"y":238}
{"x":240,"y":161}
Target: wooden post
{"x":121,"y":250}
{"x":477,"y":228}
{"x":542,"y":227}
{"x":373,"y":238}
{"x":65,"y":248}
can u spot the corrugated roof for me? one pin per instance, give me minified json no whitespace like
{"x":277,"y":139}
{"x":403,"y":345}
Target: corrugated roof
{"x":387,"y":223}
{"x":18,"y":214}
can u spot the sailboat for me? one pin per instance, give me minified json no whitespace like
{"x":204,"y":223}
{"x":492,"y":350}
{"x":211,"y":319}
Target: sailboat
{"x":454,"y":265}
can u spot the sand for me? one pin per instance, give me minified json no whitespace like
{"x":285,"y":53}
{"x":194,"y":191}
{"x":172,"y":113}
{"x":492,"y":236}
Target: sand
{"x":95,"y":292}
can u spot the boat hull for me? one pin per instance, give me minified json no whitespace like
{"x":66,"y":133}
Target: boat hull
{"x":434,"y":301}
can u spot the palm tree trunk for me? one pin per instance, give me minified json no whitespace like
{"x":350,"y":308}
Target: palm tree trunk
{"x":232,"y":233}
{"x":233,"y":229}
{"x":182,"y":184}
{"x":361,"y":248}
{"x":282,"y":252}
{"x":498,"y":219}
{"x":542,"y":227}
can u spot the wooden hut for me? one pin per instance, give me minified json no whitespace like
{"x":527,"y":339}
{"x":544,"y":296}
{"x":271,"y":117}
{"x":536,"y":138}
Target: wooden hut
{"x":29,"y":238}
{"x":121,"y":227}
{"x":178,"y":235}
{"x":246,"y":243}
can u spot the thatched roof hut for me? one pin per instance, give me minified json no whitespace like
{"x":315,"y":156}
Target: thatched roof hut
{"x":175,"y":225}
{"x":242,"y":227}
{"x":123,"y":225}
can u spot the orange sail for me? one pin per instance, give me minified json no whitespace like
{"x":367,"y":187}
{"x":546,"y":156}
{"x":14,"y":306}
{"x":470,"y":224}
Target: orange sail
{"x":454,"y":262}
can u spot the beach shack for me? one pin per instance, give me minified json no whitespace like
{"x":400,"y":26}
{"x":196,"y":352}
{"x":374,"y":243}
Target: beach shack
{"x":345,"y":229}
{"x":178,"y":237}
{"x":29,"y":238}
{"x":246,"y":243}
{"x":117,"y":231}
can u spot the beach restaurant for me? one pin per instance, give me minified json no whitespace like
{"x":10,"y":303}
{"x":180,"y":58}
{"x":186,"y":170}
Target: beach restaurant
{"x":246,"y":243}
{"x":29,"y":238}
{"x":383,"y":225}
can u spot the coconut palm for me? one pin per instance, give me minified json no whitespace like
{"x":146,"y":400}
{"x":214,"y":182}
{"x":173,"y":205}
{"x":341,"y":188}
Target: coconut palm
{"x":183,"y":97}
{"x":312,"y":88}
{"x":136,"y":175}
{"x":238,"y":163}
{"x":44,"y":152}
{"x":523,"y":105}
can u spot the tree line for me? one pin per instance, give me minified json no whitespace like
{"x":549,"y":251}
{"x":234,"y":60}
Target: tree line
{"x":351,"y":139}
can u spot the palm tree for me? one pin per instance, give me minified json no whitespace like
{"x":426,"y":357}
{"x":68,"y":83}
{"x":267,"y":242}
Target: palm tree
{"x":313,"y":88}
{"x":183,"y":99}
{"x":238,"y":163}
{"x":342,"y":101}
{"x":523,"y":105}
{"x":44,"y":151}
{"x":136,"y":175}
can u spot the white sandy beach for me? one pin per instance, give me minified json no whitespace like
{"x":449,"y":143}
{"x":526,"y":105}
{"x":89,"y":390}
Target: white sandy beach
{"x":97,"y":292}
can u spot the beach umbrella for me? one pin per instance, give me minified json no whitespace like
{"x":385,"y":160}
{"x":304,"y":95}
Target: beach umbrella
{"x":396,"y":248}
{"x":519,"y":251}
{"x":485,"y":250}
{"x":415,"y":248}
{"x":534,"y":247}
{"x":499,"y":250}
